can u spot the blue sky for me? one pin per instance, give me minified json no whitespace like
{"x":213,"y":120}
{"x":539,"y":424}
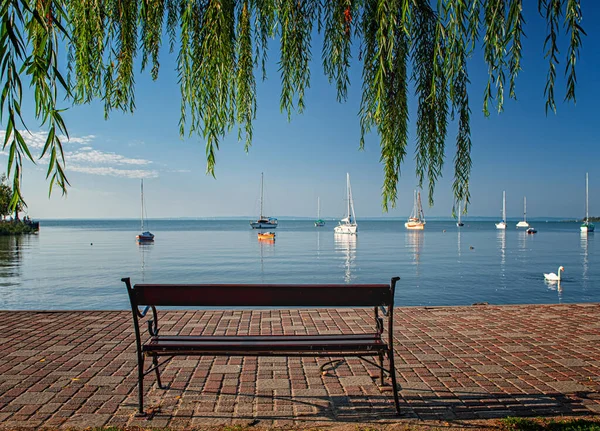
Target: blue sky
{"x":522,"y":150}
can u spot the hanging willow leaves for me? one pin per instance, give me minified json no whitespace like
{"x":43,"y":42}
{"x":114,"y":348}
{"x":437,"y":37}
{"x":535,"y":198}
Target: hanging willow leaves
{"x":222,"y":44}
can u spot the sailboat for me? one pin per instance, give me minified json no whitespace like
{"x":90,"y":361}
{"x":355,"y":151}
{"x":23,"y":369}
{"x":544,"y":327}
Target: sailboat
{"x":348,"y":224}
{"x":416,"y":221}
{"x":502,"y":224}
{"x":145,"y":236}
{"x":523,"y":223}
{"x":263,"y":222}
{"x":586,"y":226}
{"x":319,"y":222}
{"x":459,"y":223}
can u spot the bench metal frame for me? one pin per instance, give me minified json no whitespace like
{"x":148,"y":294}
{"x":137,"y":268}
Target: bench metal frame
{"x":380,"y":297}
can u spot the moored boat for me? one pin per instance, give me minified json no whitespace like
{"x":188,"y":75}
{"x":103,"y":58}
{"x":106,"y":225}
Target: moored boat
{"x":319,"y":222}
{"x":523,"y":223}
{"x":531,"y":231}
{"x":145,"y":236}
{"x":263,"y":222}
{"x":416,"y":221}
{"x":502,"y":224}
{"x":348,"y":224}
{"x":266,"y":235}
{"x":587,"y":225}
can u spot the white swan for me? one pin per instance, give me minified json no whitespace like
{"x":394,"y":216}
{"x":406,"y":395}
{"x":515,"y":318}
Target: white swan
{"x":552,"y":276}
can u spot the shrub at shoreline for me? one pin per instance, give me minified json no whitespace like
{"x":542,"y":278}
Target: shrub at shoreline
{"x":18,"y":228}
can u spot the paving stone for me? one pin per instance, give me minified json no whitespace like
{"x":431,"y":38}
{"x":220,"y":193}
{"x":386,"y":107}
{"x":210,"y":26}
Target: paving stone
{"x":86,"y":420}
{"x":453,"y":363}
{"x":39,"y":398}
{"x":226,"y":369}
{"x":105,"y":380}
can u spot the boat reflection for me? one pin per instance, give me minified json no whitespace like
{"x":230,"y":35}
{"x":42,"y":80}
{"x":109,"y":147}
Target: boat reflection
{"x":584,"y":242}
{"x":346,"y":245}
{"x":266,"y":248}
{"x":144,"y":247}
{"x":501,"y":237}
{"x":414,"y":242}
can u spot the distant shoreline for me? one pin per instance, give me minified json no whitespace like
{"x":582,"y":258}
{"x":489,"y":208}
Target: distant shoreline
{"x":327,"y":219}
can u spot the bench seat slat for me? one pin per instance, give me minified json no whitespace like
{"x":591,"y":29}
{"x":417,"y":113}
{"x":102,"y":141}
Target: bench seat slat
{"x":271,"y":338}
{"x":272,"y":344}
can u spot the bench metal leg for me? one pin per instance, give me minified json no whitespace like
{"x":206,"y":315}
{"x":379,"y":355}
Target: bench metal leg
{"x":157,"y":371}
{"x":141,"y":385}
{"x":394,"y":383}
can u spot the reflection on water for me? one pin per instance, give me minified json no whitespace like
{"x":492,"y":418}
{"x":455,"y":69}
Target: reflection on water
{"x":10,"y":268}
{"x":414,"y":242}
{"x":266,"y":248}
{"x":10,"y":259}
{"x":501,"y":235}
{"x":584,"y":254}
{"x":144,"y":247}
{"x":346,"y":245}
{"x":555,"y":285}
{"x":459,"y":245}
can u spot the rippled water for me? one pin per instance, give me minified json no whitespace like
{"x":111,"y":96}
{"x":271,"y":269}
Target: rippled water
{"x":79,"y":264}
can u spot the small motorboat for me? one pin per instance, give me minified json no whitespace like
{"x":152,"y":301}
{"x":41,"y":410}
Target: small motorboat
{"x":266,"y":235}
{"x":531,"y":231}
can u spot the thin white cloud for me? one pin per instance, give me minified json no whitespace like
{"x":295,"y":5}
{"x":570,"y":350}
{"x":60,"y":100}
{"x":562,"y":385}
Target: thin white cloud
{"x":86,"y":159}
{"x":113,"y":172}
{"x":37,"y":140}
{"x":98,"y":157}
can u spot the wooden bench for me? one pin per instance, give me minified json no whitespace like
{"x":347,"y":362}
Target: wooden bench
{"x":378,"y":296}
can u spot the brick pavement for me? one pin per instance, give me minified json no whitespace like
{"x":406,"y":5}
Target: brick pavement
{"x":77,"y":369}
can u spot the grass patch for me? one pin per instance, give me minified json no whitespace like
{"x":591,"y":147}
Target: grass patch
{"x":540,"y":424}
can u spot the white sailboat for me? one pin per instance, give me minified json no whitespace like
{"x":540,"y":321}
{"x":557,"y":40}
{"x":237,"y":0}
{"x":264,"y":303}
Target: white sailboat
{"x":145,"y":236}
{"x":459,"y":223}
{"x":523,"y":223}
{"x":319,"y":222}
{"x":586,"y":226}
{"x":263,"y":222}
{"x":502,"y":224}
{"x":416,"y":221}
{"x":348,"y":224}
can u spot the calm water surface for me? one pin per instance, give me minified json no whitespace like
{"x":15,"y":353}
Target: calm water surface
{"x":79,"y":264}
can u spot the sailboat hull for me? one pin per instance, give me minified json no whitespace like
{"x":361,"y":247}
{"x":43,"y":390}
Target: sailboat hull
{"x":347,"y":229}
{"x":501,"y":225}
{"x":587,"y":227}
{"x":266,"y":224}
{"x":145,"y":237}
{"x":414,"y":225}
{"x":522,"y":224}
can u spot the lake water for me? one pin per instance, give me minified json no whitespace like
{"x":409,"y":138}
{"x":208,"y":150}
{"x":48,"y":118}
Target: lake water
{"x":79,"y":264}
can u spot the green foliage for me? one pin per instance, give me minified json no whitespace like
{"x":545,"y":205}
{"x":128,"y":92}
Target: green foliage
{"x":16,"y":228}
{"x":222,"y":43}
{"x":5,"y":196}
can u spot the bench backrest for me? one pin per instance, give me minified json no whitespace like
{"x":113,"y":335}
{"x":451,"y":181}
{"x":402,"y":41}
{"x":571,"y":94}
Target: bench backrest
{"x":263,"y":295}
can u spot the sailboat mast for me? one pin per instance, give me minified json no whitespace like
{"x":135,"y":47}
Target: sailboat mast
{"x":504,"y":206}
{"x":318,"y":208}
{"x":142,"y":192}
{"x":524,"y":208}
{"x":459,"y":211}
{"x":348,"y":192}
{"x":261,"y":195}
{"x":586,"y":197}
